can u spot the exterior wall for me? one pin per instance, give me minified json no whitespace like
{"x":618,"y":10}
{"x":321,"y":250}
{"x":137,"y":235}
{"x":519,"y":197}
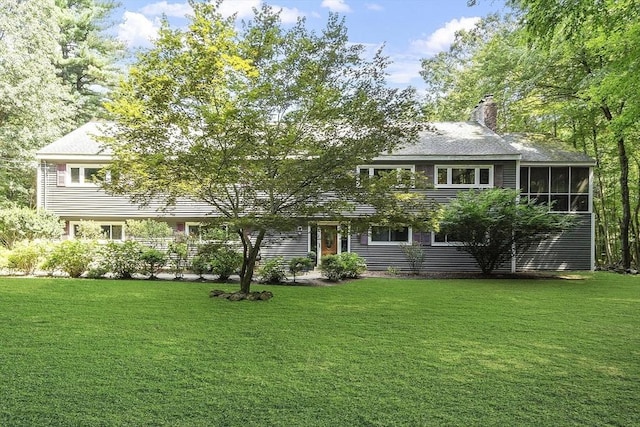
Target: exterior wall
{"x":89,"y":202}
{"x":571,"y":250}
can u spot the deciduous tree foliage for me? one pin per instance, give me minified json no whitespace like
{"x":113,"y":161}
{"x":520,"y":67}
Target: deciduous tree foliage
{"x":265,"y":123}
{"x":568,"y":69}
{"x":493,"y":224}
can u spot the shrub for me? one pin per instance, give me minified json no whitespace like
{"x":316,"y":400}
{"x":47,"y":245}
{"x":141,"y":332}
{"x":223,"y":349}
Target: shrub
{"x":300,"y":265}
{"x":25,"y":257}
{"x":149,"y":230}
{"x":415,"y":254}
{"x":178,"y":254}
{"x":199,"y":265}
{"x":353,"y":264}
{"x":152,"y":261}
{"x":17,"y":224}
{"x":122,"y":259}
{"x":344,"y":266}
{"x":272,"y":271}
{"x":90,"y":230}
{"x":225,"y":262}
{"x":70,"y":256}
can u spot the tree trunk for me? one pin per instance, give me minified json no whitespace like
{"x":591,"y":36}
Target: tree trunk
{"x":626,"y":204}
{"x":250,"y":255}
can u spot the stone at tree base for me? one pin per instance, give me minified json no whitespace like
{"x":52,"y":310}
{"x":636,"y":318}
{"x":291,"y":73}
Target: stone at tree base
{"x":239,"y":296}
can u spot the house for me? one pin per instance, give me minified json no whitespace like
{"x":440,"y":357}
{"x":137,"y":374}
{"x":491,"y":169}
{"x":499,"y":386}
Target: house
{"x":454,"y":156}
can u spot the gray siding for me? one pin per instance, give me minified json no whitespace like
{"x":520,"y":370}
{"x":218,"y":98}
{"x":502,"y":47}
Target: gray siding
{"x":88,"y":202}
{"x":570,"y":250}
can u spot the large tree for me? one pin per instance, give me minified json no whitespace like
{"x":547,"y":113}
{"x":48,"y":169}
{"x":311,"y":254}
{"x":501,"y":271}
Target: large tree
{"x":266,"y":124}
{"x":88,"y":60}
{"x":34,"y":105}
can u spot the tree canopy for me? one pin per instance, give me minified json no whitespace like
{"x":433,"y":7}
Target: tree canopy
{"x":492,"y":225}
{"x":567,"y":69}
{"x":265,"y":123}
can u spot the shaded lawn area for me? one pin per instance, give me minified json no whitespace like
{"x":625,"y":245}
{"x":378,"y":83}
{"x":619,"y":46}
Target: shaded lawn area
{"x":370,"y":352}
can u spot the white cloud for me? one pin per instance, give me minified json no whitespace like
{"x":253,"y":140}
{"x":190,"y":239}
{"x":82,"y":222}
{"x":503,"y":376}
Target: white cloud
{"x":374,"y":6}
{"x":288,"y":15}
{"x":336,"y":6}
{"x":244,"y":8}
{"x":441,"y":39}
{"x":404,"y":70}
{"x":137,"y":30}
{"x":178,"y":10}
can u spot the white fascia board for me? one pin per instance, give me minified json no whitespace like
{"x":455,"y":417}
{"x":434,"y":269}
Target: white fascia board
{"x":75,"y":157}
{"x":467,"y":158}
{"x":544,"y":164}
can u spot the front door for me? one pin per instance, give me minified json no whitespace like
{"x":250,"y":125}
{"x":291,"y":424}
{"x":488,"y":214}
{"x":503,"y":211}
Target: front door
{"x":329,"y":240}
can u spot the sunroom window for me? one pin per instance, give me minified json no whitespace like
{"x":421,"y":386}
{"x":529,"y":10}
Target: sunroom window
{"x":564,"y":188}
{"x":464,"y":176}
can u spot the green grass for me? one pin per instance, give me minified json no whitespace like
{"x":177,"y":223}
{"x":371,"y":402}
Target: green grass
{"x":370,"y":352}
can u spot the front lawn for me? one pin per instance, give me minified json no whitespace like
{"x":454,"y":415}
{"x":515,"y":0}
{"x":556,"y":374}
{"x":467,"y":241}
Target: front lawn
{"x":370,"y":352}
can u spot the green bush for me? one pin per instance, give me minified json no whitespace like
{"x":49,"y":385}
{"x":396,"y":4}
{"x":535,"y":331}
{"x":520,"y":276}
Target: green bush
{"x":70,"y":256}
{"x":122,"y":259}
{"x":344,"y":266}
{"x":332,"y":268}
{"x":178,"y":254}
{"x":299,"y":265}
{"x":18,"y":224}
{"x":152,"y":261}
{"x":225,"y":262}
{"x":415,"y":254}
{"x":354,"y":265}
{"x":272,"y":271}
{"x":199,"y":265}
{"x":25,"y":257}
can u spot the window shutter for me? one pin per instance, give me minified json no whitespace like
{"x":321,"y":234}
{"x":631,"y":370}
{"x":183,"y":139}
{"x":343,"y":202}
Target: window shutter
{"x":364,"y":239}
{"x":498,"y":176}
{"x":180,"y":227}
{"x":61,"y":175}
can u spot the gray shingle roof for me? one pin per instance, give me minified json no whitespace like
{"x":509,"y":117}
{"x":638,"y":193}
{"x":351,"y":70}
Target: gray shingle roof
{"x":79,"y":142}
{"x":458,"y":139}
{"x":541,"y":149}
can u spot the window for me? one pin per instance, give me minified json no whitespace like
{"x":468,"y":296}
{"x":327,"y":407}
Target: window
{"x":389,"y":236}
{"x":403,"y":171}
{"x":441,"y":239}
{"x":566,"y":188}
{"x":464,"y":176}
{"x":109,"y":231}
{"x":194,"y":230}
{"x":82,"y":174}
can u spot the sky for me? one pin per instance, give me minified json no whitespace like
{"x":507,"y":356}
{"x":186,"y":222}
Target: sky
{"x":410,"y":30}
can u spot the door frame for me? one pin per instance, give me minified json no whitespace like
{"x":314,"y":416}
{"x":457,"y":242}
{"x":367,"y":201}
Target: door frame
{"x":339,"y":237}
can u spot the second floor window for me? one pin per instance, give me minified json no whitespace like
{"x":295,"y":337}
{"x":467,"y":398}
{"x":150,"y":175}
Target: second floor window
{"x":564,"y":188}
{"x":82,"y":174}
{"x":464,"y":176}
{"x":402,"y":171}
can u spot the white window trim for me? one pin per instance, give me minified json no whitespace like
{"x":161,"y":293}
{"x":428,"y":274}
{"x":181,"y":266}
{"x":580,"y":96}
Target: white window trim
{"x":398,"y":168}
{"x":72,"y":234}
{"x":449,"y":176}
{"x":409,"y":241}
{"x":192,"y":224}
{"x":81,"y":166}
{"x":434,"y":243}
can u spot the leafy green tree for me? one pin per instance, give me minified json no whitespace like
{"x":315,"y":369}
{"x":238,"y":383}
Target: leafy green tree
{"x":19,"y":223}
{"x":34,"y":105}
{"x":492,"y":224}
{"x":262,"y":122}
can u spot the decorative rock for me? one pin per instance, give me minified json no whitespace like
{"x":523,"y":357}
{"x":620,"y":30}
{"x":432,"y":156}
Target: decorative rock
{"x":239,"y":296}
{"x":266,"y":295}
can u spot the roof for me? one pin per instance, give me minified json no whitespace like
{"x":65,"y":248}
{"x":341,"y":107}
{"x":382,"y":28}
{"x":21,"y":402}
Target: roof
{"x":457,"y":139}
{"x":542,"y":149}
{"x":80,"y":142}
{"x":442,"y":141}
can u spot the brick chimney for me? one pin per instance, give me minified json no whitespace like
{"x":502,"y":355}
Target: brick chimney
{"x":486,"y":112}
